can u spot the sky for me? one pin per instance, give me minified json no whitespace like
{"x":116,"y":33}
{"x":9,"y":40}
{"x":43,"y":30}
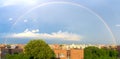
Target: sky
{"x":60,"y":21}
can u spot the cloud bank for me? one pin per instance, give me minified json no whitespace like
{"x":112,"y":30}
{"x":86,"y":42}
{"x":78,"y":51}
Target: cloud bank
{"x":55,"y":35}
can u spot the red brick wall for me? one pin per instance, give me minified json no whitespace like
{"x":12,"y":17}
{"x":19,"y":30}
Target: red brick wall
{"x":76,"y":54}
{"x":60,"y":52}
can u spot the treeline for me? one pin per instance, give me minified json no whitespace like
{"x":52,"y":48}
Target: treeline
{"x":35,"y":49}
{"x":103,"y":53}
{"x":38,"y":49}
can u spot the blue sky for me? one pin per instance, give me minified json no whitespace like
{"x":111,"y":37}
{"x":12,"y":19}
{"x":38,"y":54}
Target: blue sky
{"x":60,"y":21}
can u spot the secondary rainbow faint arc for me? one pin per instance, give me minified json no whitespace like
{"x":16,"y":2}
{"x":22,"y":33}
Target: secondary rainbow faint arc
{"x":69,"y":3}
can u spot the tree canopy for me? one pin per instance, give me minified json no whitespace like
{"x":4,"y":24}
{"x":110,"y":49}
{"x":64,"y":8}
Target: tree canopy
{"x":35,"y":49}
{"x":103,"y":53}
{"x":38,"y":49}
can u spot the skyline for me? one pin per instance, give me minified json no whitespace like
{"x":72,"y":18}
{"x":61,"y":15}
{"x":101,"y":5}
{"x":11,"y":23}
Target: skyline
{"x":60,"y":22}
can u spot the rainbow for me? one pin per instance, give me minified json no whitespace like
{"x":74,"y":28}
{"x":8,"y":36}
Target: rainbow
{"x":74,"y":4}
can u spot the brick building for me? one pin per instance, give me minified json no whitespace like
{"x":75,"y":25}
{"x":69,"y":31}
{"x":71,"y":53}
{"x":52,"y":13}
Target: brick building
{"x":61,"y":51}
{"x":69,"y":54}
{"x":118,"y":49}
{"x":4,"y":49}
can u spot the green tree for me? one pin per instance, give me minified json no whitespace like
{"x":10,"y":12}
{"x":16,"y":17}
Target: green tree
{"x":17,"y":56}
{"x":38,"y":49}
{"x":103,"y":53}
{"x":91,"y":53}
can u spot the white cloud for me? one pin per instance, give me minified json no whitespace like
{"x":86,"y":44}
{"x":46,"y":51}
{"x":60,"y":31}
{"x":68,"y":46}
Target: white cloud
{"x":33,"y":31}
{"x":25,"y":20}
{"x":10,"y":19}
{"x":54,"y":35}
{"x":118,"y":25}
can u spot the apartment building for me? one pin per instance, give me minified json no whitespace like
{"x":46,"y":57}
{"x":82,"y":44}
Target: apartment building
{"x":69,"y":54}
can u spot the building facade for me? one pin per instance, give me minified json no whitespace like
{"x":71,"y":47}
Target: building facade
{"x":69,"y":54}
